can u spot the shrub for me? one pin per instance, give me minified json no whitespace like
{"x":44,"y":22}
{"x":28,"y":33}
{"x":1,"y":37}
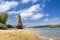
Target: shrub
{"x":3,"y":26}
{"x":9,"y":26}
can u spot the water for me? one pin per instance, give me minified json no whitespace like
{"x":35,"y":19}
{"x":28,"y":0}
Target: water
{"x":51,"y":32}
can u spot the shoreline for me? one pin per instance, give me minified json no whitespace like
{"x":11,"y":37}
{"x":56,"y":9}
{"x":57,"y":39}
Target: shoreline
{"x":31,"y":31}
{"x":21,"y":34}
{"x":52,"y":37}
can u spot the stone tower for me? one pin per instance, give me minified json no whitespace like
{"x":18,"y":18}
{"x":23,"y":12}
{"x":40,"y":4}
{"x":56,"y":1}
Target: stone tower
{"x":19,"y":23}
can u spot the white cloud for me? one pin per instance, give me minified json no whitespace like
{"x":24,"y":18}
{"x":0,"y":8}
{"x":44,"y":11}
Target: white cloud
{"x":34,"y":8}
{"x":47,"y":14}
{"x":13,"y":12}
{"x":26,"y":13}
{"x":54,"y":19}
{"x":37,"y":16}
{"x":26,"y":1}
{"x":46,"y":20}
{"x":30,"y":11}
{"x":5,"y":5}
{"x":51,"y":21}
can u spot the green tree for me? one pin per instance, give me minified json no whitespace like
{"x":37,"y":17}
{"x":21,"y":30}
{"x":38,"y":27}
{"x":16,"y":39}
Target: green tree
{"x":3,"y":17}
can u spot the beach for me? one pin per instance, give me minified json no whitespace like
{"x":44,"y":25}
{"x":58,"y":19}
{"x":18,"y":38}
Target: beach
{"x":17,"y":34}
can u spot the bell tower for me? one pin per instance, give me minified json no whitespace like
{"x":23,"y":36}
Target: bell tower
{"x":19,"y":22}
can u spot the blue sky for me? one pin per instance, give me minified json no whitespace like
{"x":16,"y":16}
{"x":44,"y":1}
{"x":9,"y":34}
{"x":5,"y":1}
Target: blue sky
{"x":33,"y":12}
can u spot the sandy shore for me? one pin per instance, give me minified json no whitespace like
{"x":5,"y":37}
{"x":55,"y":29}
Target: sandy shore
{"x":20,"y":35}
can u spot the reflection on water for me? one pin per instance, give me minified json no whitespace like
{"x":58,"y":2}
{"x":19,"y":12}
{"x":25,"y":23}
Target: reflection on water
{"x":52,"y":32}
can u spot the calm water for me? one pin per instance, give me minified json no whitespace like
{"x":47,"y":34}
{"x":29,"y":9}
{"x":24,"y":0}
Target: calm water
{"x":52,"y":32}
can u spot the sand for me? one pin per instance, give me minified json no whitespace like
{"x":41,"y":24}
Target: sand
{"x":20,"y":35}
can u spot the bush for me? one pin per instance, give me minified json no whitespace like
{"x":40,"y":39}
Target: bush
{"x":9,"y":26}
{"x":3,"y":26}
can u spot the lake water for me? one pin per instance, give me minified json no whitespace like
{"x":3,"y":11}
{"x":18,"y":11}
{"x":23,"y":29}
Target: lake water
{"x":51,"y":32}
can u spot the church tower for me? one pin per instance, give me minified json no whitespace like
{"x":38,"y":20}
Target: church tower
{"x":19,"y":23}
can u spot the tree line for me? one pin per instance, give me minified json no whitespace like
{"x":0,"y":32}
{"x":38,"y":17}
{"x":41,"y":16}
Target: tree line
{"x":3,"y":20}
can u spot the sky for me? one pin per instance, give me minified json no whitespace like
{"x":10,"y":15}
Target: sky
{"x":33,"y":12}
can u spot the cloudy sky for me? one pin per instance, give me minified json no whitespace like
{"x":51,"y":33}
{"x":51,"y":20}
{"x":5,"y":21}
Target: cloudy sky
{"x":33,"y":12}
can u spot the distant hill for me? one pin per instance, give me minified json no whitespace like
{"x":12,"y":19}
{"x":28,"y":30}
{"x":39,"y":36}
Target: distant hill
{"x":46,"y":26}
